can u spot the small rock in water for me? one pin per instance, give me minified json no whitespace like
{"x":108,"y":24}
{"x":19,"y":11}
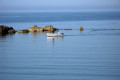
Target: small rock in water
{"x":81,"y":28}
{"x":23,"y":31}
{"x":66,"y":29}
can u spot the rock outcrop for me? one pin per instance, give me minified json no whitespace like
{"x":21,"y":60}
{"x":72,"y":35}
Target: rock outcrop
{"x":36,"y":29}
{"x":6,"y":30}
{"x":81,"y":28}
{"x":23,"y":31}
{"x":49,"y":28}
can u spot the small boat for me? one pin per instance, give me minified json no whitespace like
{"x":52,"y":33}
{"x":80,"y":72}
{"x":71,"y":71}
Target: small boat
{"x":54,"y":35}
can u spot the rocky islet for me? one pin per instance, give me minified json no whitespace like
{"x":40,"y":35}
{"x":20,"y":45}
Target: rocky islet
{"x":9,"y":30}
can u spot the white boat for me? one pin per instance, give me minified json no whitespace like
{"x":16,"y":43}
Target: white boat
{"x":54,"y":35}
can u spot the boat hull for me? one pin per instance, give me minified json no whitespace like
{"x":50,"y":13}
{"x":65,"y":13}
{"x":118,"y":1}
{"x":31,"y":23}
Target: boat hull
{"x":54,"y":35}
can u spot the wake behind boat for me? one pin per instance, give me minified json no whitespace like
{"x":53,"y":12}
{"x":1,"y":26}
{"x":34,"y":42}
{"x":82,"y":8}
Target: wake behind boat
{"x":55,"y":34}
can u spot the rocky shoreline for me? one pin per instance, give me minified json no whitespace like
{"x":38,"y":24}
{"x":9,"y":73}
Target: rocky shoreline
{"x":50,"y":29}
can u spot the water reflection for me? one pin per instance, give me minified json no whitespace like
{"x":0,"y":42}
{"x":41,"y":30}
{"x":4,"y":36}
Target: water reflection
{"x":3,"y":35}
{"x":53,"y":39}
{"x":6,"y":42}
{"x":35,"y":34}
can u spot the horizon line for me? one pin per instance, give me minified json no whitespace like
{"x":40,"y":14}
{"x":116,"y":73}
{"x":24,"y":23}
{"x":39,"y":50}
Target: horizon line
{"x":13,"y":11}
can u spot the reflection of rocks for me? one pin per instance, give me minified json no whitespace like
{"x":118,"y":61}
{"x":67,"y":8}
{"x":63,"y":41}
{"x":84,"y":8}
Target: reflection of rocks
{"x":81,"y":28}
{"x":36,"y":29}
{"x":36,"y":34}
{"x":23,"y":31}
{"x":49,"y":31}
{"x":6,"y":30}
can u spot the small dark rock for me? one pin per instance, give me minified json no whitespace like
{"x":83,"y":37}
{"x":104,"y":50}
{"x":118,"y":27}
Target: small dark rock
{"x":10,"y":28}
{"x":66,"y":29}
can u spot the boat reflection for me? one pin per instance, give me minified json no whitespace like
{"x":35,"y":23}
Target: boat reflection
{"x":53,"y":40}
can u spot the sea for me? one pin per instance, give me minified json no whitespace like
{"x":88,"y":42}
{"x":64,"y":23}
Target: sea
{"x":91,"y":54}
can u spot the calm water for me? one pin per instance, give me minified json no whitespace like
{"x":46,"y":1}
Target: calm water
{"x":92,"y":54}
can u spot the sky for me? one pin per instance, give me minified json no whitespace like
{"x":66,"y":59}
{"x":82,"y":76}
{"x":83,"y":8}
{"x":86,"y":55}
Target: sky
{"x":30,"y":5}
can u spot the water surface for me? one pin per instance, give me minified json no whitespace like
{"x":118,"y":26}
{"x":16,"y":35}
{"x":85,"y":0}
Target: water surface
{"x":91,"y":54}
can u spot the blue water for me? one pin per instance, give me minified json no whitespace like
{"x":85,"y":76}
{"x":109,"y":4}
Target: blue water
{"x":91,"y":54}
{"x":58,"y":16}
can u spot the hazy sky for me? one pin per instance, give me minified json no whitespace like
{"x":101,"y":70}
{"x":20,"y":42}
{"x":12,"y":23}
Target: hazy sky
{"x":59,"y":4}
